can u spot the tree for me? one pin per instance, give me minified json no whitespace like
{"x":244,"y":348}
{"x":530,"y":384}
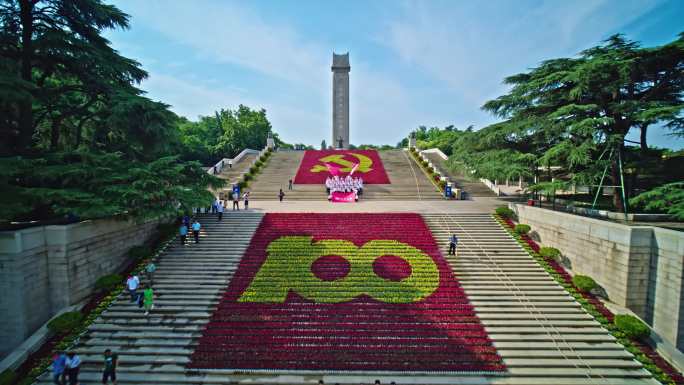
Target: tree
{"x":323,"y":145}
{"x":574,"y":109}
{"x":57,"y":55}
{"x":668,"y":198}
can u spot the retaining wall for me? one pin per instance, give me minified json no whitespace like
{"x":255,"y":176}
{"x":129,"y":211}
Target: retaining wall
{"x":44,"y":269}
{"x":640,"y":267}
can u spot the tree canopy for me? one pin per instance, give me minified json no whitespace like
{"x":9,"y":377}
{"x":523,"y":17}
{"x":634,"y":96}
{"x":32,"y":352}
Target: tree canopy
{"x":78,"y":135}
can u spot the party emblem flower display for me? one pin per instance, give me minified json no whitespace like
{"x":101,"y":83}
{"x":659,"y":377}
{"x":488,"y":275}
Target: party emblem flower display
{"x":317,"y":165}
{"x":345,"y":292}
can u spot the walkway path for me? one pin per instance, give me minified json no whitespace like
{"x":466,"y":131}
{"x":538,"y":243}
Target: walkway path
{"x":542,"y":334}
{"x":472,"y":188}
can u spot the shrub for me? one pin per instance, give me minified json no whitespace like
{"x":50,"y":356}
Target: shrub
{"x":166,"y":229}
{"x":65,"y":322}
{"x":139,"y":252}
{"x":7,"y":377}
{"x":504,"y":212}
{"x":247,"y":177}
{"x":632,"y":326}
{"x":442,"y":184}
{"x":522,"y":229}
{"x":243,"y":184}
{"x":550,"y":252}
{"x":584,"y":283}
{"x":259,"y":163}
{"x":108,"y":282}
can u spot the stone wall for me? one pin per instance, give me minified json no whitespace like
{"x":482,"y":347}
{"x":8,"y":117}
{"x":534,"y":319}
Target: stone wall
{"x":44,"y":269}
{"x":640,"y":267}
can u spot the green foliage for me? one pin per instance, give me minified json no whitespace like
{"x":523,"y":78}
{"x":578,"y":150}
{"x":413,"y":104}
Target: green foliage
{"x":7,"y":377}
{"x":549,"y":252}
{"x":65,"y":322}
{"x":631,"y":326}
{"x":505,"y":212}
{"x":93,"y":185}
{"x":247,"y":177}
{"x":522,"y":228}
{"x":668,"y":198}
{"x":584,"y":283}
{"x":139,"y":252}
{"x":108,"y":282}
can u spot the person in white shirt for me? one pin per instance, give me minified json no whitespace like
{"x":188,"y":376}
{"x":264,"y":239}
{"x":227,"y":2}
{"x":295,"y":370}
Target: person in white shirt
{"x":219,"y":209}
{"x":132,"y":284}
{"x":73,"y":365}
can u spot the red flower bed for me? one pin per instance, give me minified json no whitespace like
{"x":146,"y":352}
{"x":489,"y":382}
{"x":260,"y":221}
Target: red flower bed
{"x":327,"y":329}
{"x":312,"y":170}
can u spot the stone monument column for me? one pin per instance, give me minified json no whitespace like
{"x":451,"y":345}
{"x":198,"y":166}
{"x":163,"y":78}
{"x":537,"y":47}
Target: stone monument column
{"x":340,"y":119}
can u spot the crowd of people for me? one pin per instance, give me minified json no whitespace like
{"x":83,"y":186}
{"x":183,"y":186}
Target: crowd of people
{"x":345,"y":184}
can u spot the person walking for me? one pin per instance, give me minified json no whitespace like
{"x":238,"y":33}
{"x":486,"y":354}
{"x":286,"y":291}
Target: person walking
{"x":73,"y":366}
{"x":59,"y":368}
{"x":109,"y":370}
{"x":453,"y":242}
{"x":148,"y":299}
{"x":245,"y":198}
{"x":195,"y":230}
{"x":214,"y":205}
{"x":219,"y":209}
{"x":281,"y":195}
{"x":132,"y":284}
{"x":183,"y":231}
{"x":149,"y":272}
{"x":289,"y":184}
{"x":236,"y":201}
{"x":230,"y":163}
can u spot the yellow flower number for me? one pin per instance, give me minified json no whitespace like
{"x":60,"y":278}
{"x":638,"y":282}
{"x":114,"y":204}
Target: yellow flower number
{"x":288,"y":267}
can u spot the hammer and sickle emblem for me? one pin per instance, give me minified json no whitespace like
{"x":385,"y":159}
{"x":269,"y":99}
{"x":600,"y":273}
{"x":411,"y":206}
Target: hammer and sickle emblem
{"x":365,"y":163}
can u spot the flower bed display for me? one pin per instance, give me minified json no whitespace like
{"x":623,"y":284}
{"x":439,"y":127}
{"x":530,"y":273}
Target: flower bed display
{"x":345,"y":292}
{"x":313,"y":168}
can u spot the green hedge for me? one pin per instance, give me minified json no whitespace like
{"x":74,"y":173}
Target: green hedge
{"x":65,"y":322}
{"x":7,"y":377}
{"x":632,"y":326}
{"x":505,"y":212}
{"x":138,"y":252}
{"x":584,"y":283}
{"x":522,"y":228}
{"x":108,"y":282}
{"x":550,"y":252}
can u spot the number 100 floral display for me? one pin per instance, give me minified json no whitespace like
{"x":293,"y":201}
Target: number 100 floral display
{"x":345,"y":292}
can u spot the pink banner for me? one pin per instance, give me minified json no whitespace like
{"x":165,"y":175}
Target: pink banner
{"x":335,"y":171}
{"x":356,"y":167}
{"x":344,"y":197}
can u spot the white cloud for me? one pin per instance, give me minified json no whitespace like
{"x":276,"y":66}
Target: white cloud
{"x":231,"y":33}
{"x":473,"y":46}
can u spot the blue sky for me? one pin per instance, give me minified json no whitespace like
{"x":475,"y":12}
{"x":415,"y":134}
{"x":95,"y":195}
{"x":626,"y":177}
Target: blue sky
{"x":412,"y":62}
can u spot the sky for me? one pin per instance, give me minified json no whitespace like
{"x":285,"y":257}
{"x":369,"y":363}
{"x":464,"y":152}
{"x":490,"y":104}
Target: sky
{"x":432,"y":63}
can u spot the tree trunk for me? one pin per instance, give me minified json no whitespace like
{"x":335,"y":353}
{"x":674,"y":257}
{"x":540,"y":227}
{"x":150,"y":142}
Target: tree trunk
{"x":54,"y":133}
{"x":26,"y":106}
{"x":615,"y":176}
{"x":644,"y":144}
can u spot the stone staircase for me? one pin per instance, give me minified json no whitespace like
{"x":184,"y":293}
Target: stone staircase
{"x":543,"y":336}
{"x":473,"y":188}
{"x":408,"y":182}
{"x":538,"y":329}
{"x":188,"y":283}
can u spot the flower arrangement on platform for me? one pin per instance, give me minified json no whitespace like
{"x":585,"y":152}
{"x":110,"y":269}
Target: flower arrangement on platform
{"x":313,"y":170}
{"x":345,"y":292}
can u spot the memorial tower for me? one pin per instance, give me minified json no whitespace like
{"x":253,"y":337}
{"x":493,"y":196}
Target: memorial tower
{"x":340,"y":118}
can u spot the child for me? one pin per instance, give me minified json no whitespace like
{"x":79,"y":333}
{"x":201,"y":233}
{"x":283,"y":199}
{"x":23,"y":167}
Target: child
{"x":148,"y":299}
